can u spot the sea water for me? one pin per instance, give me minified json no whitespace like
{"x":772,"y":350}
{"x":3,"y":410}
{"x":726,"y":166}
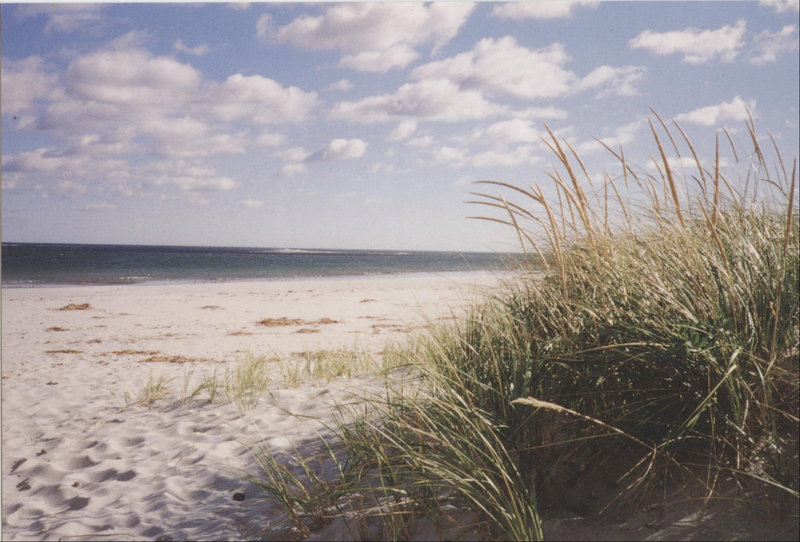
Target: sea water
{"x":38,"y":264}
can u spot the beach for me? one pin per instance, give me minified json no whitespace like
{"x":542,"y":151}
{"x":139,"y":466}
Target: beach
{"x":82,"y":458}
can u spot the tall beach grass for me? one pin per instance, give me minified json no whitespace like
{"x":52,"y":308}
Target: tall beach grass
{"x":659,"y":344}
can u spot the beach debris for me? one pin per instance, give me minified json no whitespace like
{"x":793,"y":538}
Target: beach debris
{"x":238,"y":496}
{"x":64,"y":351}
{"x":368,"y":300}
{"x":307,"y":330}
{"x":76,"y":307}
{"x":17,"y":463}
{"x":212,"y":307}
{"x":283,"y":321}
{"x":128,"y":352}
{"x":170,"y":359}
{"x":24,"y":485}
{"x":56,"y":328}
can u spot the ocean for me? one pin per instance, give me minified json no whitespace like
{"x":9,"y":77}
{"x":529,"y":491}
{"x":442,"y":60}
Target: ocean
{"x":39,"y":264}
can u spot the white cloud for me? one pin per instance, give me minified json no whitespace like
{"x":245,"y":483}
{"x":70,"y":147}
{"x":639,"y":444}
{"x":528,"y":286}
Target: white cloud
{"x":375,"y":26}
{"x":261,"y":100}
{"x":132,"y":77}
{"x":768,"y":45}
{"x":101,"y":206}
{"x":424,"y":141}
{"x":506,"y":67}
{"x":403,"y":130}
{"x":188,"y":175}
{"x":507,"y":131}
{"x":781,"y":6}
{"x":712,"y":115}
{"x":675,"y":163}
{"x":339,"y":149}
{"x":540,"y":9}
{"x":697,"y":46}
{"x":436,"y":100}
{"x":542,"y":113}
{"x":341,"y":84}
{"x":191,"y":183}
{"x":198,"y":50}
{"x":72,"y":188}
{"x":44,"y":160}
{"x":620,"y":137}
{"x":25,"y":82}
{"x":621,"y":81}
{"x":290,"y":170}
{"x":251,"y":203}
{"x":505,"y":158}
{"x":450,"y":155}
{"x":64,"y":18}
{"x":397,"y":56}
{"x":295,"y":154}
{"x":269,"y":139}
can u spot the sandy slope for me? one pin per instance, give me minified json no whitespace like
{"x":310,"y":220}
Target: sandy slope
{"x":76,"y":462}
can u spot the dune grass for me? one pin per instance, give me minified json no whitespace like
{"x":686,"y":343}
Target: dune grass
{"x":660,"y":341}
{"x":244,"y":382}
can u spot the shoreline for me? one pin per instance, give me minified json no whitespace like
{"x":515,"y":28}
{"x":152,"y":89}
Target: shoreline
{"x":360,"y":276}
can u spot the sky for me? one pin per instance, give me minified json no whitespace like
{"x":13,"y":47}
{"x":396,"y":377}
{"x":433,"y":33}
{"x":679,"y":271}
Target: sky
{"x":362,"y":125}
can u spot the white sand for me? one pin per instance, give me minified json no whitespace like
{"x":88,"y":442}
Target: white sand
{"x":76,"y":462}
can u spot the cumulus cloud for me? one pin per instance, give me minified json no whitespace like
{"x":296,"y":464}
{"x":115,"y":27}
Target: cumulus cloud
{"x":64,"y":18}
{"x":25,"y":82}
{"x":541,"y":9}
{"x":45,"y":160}
{"x":262,"y":100}
{"x":768,"y":45}
{"x":438,"y":99}
{"x":70,"y":188}
{"x":380,"y":36}
{"x":423,"y":141}
{"x":403,"y":130}
{"x":549,"y":112}
{"x":269,"y":139}
{"x":781,"y":6}
{"x":504,"y":66}
{"x":339,"y":149}
{"x":712,"y":115}
{"x":341,"y":84}
{"x":621,"y":81}
{"x":450,"y":156}
{"x":290,"y":170}
{"x":198,"y":50}
{"x":251,"y":203}
{"x":507,"y":131}
{"x":619,"y":137}
{"x":375,"y":26}
{"x":190,"y":183}
{"x":522,"y":155}
{"x":697,"y":46}
{"x":101,"y":206}
{"x":131,"y":77}
{"x":398,"y":56}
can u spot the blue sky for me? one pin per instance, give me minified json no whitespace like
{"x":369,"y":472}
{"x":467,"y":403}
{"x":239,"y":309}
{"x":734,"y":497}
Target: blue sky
{"x":355,"y":125}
